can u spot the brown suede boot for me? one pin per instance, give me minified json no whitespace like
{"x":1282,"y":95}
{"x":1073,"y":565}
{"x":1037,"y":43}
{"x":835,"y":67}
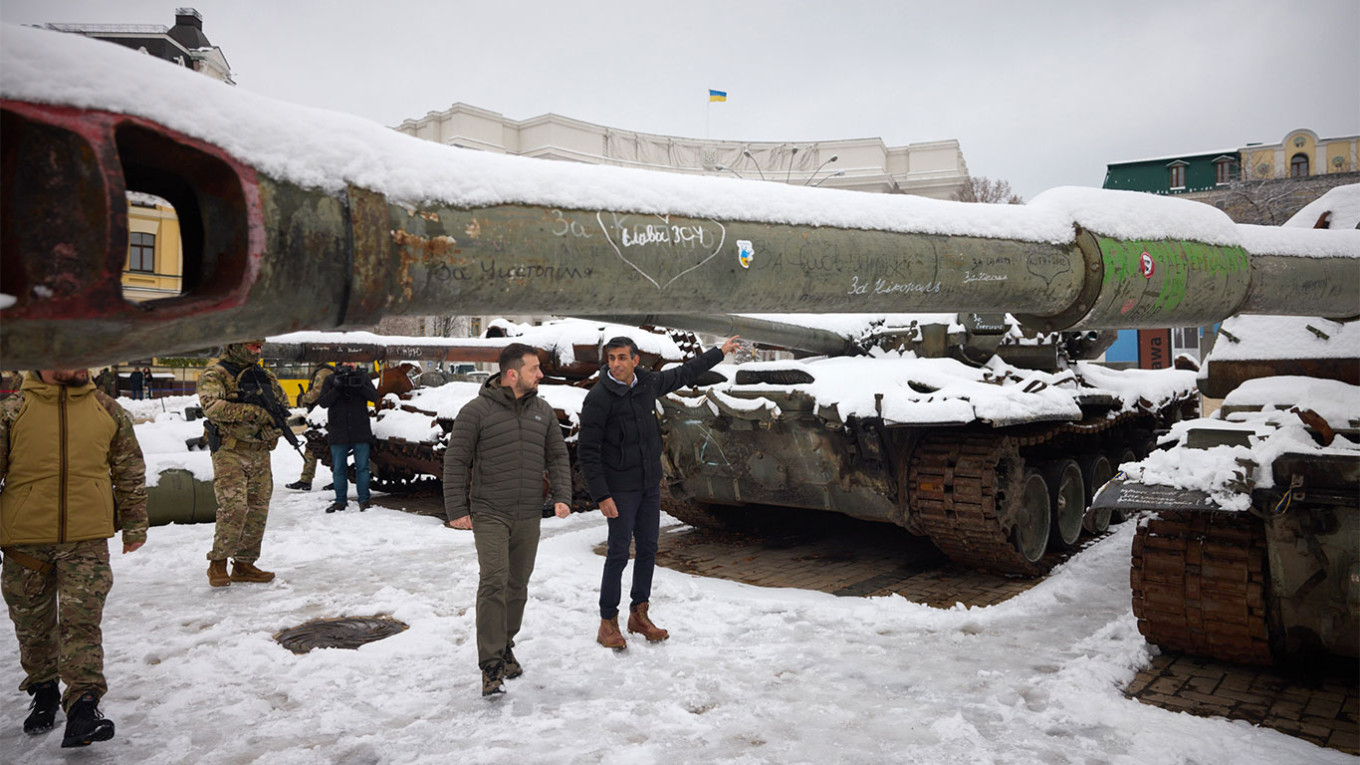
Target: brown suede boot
{"x":639,"y":623}
{"x":609,"y":635}
{"x":217,"y":574}
{"x":246,"y":572}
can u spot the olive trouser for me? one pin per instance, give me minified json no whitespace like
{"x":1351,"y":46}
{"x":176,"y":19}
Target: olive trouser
{"x":243,"y":484}
{"x":506,"y":549}
{"x":57,"y":614}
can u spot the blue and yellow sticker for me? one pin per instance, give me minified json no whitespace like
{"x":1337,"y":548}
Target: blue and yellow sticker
{"x":745,"y":253}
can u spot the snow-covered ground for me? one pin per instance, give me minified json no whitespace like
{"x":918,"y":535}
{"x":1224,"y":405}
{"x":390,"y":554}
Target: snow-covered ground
{"x":750,"y":674}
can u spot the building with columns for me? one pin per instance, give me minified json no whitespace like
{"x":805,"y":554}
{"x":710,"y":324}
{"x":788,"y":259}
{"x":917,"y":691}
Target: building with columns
{"x":931,"y":169}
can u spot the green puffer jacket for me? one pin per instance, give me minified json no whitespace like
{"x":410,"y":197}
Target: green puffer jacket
{"x":508,"y":444}
{"x":71,"y":467}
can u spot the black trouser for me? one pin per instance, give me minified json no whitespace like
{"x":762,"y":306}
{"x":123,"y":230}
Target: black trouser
{"x":639,"y":521}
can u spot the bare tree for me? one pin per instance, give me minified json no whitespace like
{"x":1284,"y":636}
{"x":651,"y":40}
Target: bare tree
{"x":1268,"y":201}
{"x":980,"y":188}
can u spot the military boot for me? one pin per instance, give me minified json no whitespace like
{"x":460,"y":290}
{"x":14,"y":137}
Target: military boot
{"x":492,"y":679}
{"x":513,"y":669}
{"x":217,"y":573}
{"x":639,"y":622}
{"x":246,"y":572}
{"x":299,"y":485}
{"x":84,"y":723}
{"x":46,"y":701}
{"x":609,"y":635}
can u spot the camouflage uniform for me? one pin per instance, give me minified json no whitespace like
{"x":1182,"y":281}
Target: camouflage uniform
{"x":242,"y":480}
{"x":56,"y":572}
{"x":309,"y":399}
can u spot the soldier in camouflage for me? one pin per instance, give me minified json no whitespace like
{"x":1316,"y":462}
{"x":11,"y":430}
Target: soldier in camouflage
{"x":72,"y":475}
{"x":242,"y":479}
{"x":309,"y":399}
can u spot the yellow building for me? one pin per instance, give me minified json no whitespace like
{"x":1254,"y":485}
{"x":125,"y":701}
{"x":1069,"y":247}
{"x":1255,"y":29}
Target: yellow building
{"x":155,"y":264}
{"x":1301,"y":154}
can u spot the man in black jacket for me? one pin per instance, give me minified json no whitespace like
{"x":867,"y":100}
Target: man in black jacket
{"x":505,"y":440}
{"x":345,"y":395}
{"x":620,"y":455}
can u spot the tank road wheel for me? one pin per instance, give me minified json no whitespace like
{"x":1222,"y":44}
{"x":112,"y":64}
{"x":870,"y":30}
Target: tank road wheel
{"x":1033,"y":515}
{"x":1199,"y":582}
{"x":1067,"y":493}
{"x":1095,"y":472}
{"x":968,"y":493}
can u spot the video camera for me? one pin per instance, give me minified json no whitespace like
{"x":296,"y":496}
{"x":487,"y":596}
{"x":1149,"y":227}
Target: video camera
{"x":350,"y":378}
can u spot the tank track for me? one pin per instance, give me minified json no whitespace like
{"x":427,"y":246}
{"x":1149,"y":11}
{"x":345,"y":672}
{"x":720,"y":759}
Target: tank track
{"x":1199,"y":584}
{"x":958,"y":485}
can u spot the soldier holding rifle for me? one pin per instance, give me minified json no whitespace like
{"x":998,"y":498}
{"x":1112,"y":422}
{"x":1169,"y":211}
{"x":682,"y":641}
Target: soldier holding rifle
{"x":242,"y":402}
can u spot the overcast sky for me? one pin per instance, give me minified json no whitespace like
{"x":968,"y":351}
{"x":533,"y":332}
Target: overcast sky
{"x":1042,"y":94}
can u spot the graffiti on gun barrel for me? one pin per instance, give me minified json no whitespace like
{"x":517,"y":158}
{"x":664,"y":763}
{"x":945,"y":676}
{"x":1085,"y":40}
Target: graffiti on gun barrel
{"x":660,"y":250}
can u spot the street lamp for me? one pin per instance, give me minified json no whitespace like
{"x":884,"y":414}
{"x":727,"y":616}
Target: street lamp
{"x":834,"y":157}
{"x":791,"y":158}
{"x":747,"y":153}
{"x":724,"y":168}
{"x":836,"y":174}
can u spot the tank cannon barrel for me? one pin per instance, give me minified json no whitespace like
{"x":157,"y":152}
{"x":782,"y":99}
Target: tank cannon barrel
{"x":264,"y":254}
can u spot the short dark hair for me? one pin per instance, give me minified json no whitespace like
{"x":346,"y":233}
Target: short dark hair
{"x":621,"y":342}
{"x":512,"y":356}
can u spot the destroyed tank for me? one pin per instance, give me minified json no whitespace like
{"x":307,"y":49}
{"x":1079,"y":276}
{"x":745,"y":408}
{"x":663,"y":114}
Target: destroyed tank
{"x":1250,"y":547}
{"x":393,"y":225}
{"x":965,"y":429}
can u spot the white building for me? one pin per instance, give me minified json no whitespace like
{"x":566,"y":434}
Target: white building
{"x":932,"y":169}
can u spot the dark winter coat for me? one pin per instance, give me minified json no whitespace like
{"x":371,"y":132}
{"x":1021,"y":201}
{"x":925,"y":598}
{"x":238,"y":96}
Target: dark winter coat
{"x":620,"y":442}
{"x":348,"y":406}
{"x":508,"y":443}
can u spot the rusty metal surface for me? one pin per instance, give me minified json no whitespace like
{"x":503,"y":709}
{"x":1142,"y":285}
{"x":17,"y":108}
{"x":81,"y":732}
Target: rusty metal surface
{"x":250,"y":241}
{"x":1199,"y":585}
{"x":1314,"y":557}
{"x":1225,"y":376}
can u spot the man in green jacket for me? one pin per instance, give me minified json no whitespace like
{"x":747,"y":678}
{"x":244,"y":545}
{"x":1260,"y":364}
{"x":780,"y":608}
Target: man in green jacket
{"x":506,"y":438}
{"x":72,"y":475}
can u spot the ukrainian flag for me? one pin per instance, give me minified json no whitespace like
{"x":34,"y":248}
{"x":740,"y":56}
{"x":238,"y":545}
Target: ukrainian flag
{"x":717,"y":95}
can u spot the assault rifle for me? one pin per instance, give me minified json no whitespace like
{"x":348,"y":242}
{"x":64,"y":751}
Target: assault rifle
{"x":252,"y":387}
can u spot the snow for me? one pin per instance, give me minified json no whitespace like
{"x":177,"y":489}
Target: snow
{"x":1343,"y":202}
{"x":1303,"y":242}
{"x":1223,"y":471}
{"x":1258,"y":338}
{"x":444,"y":402}
{"x":279,"y":139}
{"x":939,"y":391}
{"x":557,"y":335}
{"x":750,"y":674}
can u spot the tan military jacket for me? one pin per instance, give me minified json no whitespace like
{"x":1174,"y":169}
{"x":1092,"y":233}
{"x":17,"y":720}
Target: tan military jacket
{"x":71,"y":466}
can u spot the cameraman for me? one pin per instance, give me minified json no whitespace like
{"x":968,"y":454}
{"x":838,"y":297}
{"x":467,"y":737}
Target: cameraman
{"x":345,"y":395}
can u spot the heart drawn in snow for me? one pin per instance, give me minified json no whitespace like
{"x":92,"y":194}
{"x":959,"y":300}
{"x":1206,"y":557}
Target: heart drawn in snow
{"x":671,"y":240}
